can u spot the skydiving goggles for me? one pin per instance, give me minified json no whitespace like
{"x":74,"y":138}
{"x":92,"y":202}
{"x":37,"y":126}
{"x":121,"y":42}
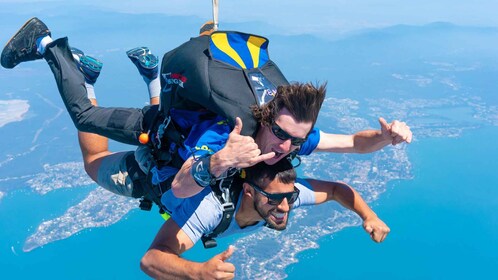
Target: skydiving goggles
{"x":277,"y":198}
{"x":283,"y":135}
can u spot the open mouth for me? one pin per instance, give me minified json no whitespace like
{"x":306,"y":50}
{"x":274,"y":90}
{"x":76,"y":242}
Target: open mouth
{"x":277,"y":154}
{"x":279,"y":217}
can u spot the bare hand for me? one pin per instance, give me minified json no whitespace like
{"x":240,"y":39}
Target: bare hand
{"x":241,"y":151}
{"x":218,"y":268}
{"x":396,"y":131}
{"x":377,"y":229}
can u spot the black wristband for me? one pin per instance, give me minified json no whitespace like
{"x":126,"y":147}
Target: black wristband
{"x":200,"y":172}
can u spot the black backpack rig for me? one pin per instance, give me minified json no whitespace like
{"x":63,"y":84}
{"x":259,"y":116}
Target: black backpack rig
{"x":225,"y":73}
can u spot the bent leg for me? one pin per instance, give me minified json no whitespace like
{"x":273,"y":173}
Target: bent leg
{"x":93,"y":149}
{"x":120,"y":174}
{"x":120,"y":124}
{"x":115,"y":172}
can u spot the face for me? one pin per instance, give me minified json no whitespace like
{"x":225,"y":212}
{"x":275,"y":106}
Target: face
{"x":276,"y":216}
{"x":269,"y":142}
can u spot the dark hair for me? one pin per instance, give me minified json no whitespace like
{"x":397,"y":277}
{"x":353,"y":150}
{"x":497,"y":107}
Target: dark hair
{"x":303,"y":100}
{"x":282,"y":170}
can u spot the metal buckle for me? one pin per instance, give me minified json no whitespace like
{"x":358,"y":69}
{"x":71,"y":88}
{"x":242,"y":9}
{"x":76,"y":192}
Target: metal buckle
{"x":228,"y":206}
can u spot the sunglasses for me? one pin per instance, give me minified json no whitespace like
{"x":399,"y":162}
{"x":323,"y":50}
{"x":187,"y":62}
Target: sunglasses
{"x":277,"y":198}
{"x":283,"y":135}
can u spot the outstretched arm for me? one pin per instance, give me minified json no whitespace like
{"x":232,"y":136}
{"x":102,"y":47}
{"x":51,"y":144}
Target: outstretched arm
{"x":366,"y":141}
{"x":162,"y":260}
{"x":349,"y":198}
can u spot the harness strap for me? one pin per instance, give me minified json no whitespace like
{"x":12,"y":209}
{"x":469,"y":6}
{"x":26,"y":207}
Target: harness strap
{"x":228,"y":202}
{"x":209,"y":240}
{"x":154,"y":192}
{"x":137,"y":176}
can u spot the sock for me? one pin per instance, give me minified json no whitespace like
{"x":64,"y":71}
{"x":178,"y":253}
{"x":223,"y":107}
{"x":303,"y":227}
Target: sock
{"x":153,"y":86}
{"x":90,"y":92}
{"x":42,"y":42}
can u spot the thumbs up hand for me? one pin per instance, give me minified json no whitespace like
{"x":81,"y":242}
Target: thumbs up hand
{"x":218,"y":267}
{"x":239,"y":152}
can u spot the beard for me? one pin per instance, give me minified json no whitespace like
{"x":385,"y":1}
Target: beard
{"x":267,"y":217}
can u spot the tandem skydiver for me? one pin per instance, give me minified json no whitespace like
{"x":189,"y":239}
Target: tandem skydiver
{"x":286,"y":131}
{"x":285,"y":125}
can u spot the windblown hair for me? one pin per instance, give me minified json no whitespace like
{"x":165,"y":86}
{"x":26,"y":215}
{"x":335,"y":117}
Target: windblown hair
{"x":303,"y":100}
{"x":261,"y":173}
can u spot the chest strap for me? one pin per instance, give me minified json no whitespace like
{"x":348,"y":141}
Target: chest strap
{"x":228,"y":195}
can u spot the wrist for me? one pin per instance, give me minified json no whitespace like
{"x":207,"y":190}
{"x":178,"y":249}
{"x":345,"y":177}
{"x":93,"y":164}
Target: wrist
{"x":386,"y":137}
{"x":218,"y":165}
{"x":201,"y":172}
{"x":368,"y":216}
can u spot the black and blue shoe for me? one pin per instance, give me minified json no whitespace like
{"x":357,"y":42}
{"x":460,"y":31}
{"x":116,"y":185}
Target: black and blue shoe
{"x":22,"y":46}
{"x":145,"y":61}
{"x":89,"y":66}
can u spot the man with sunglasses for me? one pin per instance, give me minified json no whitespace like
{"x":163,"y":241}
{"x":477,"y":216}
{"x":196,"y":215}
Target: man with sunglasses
{"x":269,"y":193}
{"x":286,"y":126}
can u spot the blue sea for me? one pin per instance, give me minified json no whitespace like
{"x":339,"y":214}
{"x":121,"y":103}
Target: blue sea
{"x":443,"y":222}
{"x":443,"y":226}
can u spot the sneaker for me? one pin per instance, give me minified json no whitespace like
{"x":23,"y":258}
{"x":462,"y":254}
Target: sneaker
{"x":22,"y":46}
{"x":207,"y":28}
{"x":145,"y":61}
{"x":89,"y":66}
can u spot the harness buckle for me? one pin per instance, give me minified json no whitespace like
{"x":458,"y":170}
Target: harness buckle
{"x":228,"y":206}
{"x":208,"y":242}
{"x":145,"y":204}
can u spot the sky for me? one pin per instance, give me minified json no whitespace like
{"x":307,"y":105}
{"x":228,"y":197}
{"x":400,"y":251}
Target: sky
{"x":316,"y":16}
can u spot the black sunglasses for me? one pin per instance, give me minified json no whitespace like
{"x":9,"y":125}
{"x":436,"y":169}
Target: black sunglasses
{"x":283,"y":135}
{"x":277,"y":198}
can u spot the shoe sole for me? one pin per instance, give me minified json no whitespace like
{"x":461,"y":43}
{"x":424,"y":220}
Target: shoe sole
{"x":136,"y":53}
{"x":91,"y":63}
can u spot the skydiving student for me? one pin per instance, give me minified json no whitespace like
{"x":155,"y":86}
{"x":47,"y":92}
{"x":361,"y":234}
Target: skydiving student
{"x":286,"y":125}
{"x":269,"y":193}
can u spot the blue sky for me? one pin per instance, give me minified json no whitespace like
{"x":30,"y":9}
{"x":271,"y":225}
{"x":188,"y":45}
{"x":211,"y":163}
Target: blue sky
{"x":315,"y":16}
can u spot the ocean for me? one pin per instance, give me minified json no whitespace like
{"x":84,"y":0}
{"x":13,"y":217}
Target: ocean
{"x":443,"y":222}
{"x":443,"y":226}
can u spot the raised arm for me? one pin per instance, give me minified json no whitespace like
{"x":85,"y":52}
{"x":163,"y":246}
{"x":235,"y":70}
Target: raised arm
{"x":349,"y":198}
{"x":366,"y":141}
{"x":162,"y":260}
{"x":239,"y":152}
